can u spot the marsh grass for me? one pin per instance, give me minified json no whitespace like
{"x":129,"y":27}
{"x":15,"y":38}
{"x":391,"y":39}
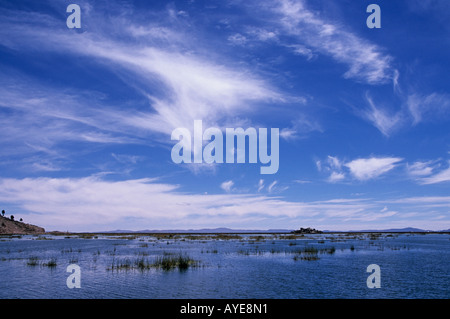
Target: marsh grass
{"x":73,"y":260}
{"x":87,"y":236}
{"x":142,"y":253}
{"x":374,"y":236}
{"x":257,"y":238}
{"x":228,"y":236}
{"x":51,"y":263}
{"x":253,"y":252}
{"x":291,"y":236}
{"x":34,"y":261}
{"x":43,"y":238}
{"x":70,"y":250}
{"x":312,"y":253}
{"x":218,"y":236}
{"x":165,"y":262}
{"x":172,"y":262}
{"x":308,"y":252}
{"x":308,"y":257}
{"x":213,"y":251}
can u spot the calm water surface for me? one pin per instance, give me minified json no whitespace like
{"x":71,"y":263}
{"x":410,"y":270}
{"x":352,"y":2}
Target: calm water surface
{"x":243,"y":266}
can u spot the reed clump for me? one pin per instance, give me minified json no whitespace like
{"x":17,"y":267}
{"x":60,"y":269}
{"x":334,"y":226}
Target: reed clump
{"x":165,"y":262}
{"x":312,"y":253}
{"x":173,"y":262}
{"x":34,"y":261}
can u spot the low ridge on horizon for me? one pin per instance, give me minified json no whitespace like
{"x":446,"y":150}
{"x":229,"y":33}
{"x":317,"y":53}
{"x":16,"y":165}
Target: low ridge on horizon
{"x":232,"y":230}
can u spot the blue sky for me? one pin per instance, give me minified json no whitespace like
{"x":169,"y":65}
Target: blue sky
{"x":86,"y":115}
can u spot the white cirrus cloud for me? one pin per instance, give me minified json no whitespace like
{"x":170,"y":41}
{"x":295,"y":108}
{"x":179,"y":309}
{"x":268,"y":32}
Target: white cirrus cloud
{"x":425,"y":107}
{"x":271,"y":186}
{"x":227,"y":186}
{"x":368,"y":168}
{"x":415,"y":108}
{"x":178,"y":80}
{"x":429,"y":172}
{"x":440,"y":177}
{"x":420,"y":169}
{"x":94,"y":203}
{"x":260,"y":185}
{"x":366,"y":61}
{"x":361,"y":169}
{"x":336,"y":177}
{"x":386,"y":122}
{"x":181,"y":83}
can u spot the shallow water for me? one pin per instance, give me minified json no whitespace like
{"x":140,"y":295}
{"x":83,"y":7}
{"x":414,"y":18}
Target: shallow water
{"x":251,"y":266}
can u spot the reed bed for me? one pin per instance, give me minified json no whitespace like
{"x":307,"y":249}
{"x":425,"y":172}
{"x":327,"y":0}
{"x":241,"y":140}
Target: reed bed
{"x":166,"y":262}
{"x":34,"y":261}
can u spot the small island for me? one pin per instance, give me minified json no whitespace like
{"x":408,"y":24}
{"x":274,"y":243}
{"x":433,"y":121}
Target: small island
{"x":308,"y":230}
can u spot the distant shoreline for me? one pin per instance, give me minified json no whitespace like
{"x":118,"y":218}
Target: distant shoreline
{"x":13,"y":227}
{"x":237,"y":232}
{"x":224,"y":230}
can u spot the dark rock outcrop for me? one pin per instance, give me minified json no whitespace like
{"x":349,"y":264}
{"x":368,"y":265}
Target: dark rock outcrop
{"x":307,"y":231}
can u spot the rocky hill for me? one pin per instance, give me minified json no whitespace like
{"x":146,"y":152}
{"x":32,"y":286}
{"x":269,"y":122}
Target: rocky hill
{"x":8,"y":226}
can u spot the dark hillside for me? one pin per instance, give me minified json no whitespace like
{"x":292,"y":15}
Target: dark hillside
{"x":8,"y":226}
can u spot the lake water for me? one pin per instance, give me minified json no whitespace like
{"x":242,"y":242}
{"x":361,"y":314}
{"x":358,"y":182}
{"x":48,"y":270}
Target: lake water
{"x":226,"y":266}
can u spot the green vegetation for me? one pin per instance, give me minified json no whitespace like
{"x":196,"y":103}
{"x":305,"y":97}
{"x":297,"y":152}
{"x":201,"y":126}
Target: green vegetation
{"x":258,"y":238}
{"x":166,"y":262}
{"x":51,"y":263}
{"x":312,"y":253}
{"x":293,"y":236}
{"x":218,"y":236}
{"x":172,"y":262}
{"x":307,"y":257}
{"x":34,"y":261}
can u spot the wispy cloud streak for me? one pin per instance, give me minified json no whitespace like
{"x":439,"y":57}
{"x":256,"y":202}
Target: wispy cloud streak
{"x":367,"y":62}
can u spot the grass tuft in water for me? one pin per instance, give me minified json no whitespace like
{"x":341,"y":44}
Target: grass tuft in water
{"x":34,"y":261}
{"x":172,"y":262}
{"x":51,"y":263}
{"x":166,"y":262}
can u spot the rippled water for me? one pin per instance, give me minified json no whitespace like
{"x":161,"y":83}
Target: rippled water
{"x":250,"y":266}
